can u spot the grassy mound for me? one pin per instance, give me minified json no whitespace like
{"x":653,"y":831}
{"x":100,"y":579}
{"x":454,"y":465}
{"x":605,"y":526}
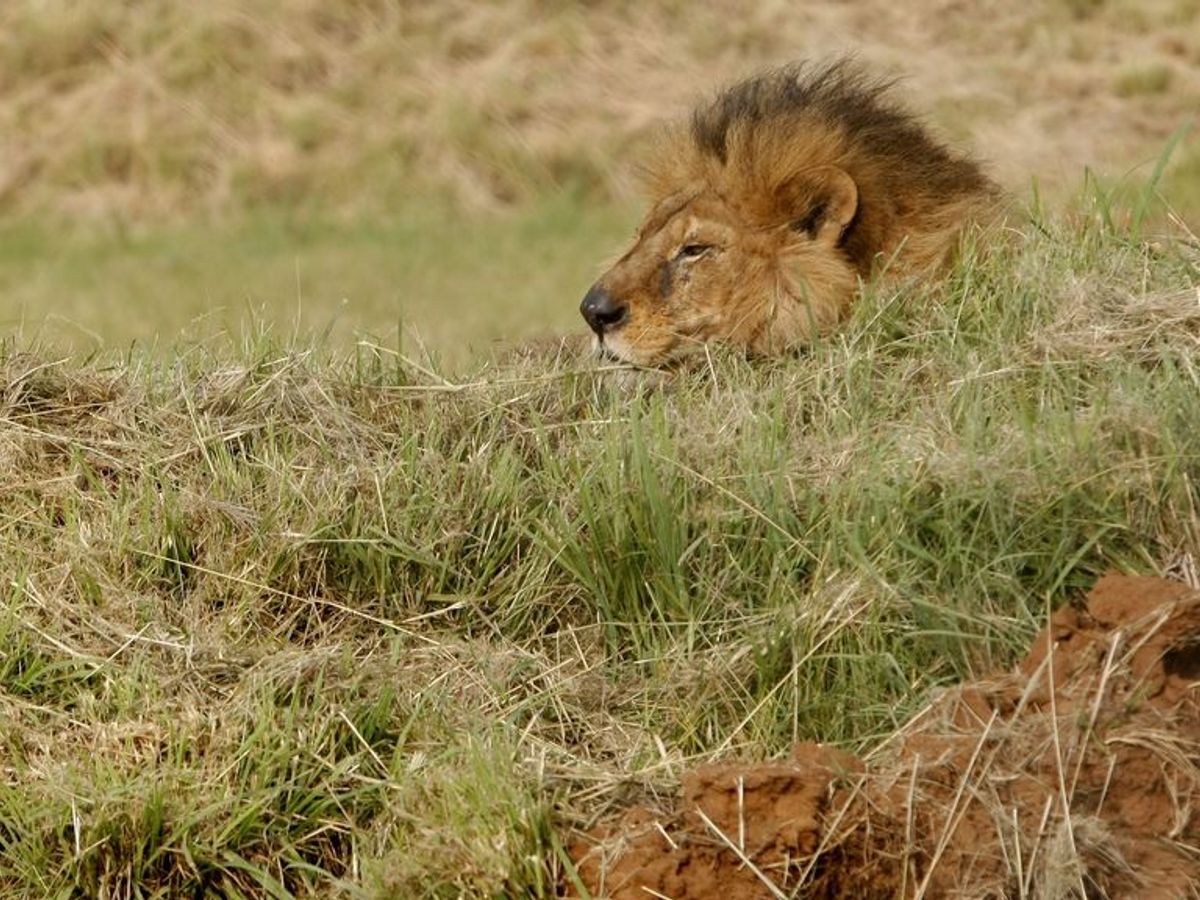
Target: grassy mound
{"x":282,"y":622}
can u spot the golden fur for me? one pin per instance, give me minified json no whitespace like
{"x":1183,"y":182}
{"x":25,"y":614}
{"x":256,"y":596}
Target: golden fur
{"x":771,"y":206}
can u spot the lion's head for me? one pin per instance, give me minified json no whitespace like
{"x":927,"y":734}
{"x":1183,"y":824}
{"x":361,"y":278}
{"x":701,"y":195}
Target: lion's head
{"x":771,"y":207}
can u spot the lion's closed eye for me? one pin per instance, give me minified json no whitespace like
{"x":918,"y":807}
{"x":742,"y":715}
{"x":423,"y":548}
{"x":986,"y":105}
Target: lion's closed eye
{"x":692,"y":251}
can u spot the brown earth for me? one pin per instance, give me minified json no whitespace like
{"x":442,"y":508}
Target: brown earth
{"x":1076,"y":775}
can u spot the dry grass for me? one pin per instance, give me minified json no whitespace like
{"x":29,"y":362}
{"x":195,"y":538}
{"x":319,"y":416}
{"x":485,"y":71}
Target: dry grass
{"x":148,"y":108}
{"x":282,"y":163}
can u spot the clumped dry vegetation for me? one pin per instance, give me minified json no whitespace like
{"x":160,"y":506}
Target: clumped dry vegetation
{"x":311,"y":617}
{"x":140,"y":108}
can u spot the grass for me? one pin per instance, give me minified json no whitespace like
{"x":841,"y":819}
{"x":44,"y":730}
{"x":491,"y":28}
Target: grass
{"x":451,"y":285}
{"x":1144,"y":80}
{"x":285,"y":619}
{"x":140,"y":111}
{"x":152,"y":111}
{"x":303,"y":598}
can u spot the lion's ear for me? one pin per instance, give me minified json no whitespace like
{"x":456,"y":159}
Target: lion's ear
{"x":820,"y":202}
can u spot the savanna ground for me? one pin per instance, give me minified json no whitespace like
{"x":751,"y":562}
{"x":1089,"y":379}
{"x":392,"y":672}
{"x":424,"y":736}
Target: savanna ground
{"x":304,"y":597}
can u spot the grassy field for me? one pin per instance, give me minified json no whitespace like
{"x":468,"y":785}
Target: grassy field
{"x":282,"y":621}
{"x":313,"y":587}
{"x":452,"y":287}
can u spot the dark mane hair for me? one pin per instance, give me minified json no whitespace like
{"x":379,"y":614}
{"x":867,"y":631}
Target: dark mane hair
{"x":839,"y":96}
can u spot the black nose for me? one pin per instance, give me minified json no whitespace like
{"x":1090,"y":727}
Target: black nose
{"x":601,"y":311}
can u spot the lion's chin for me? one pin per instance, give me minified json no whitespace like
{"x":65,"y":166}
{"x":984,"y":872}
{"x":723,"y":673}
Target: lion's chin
{"x":605,"y":353}
{"x":617,"y":349}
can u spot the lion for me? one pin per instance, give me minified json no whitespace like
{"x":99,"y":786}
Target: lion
{"x":772,"y":207}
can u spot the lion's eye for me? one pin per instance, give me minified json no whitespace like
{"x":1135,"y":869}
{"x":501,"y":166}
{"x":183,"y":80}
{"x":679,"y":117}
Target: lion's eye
{"x":692,"y":251}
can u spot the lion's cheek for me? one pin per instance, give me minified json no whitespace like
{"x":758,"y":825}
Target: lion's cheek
{"x":813,"y":294}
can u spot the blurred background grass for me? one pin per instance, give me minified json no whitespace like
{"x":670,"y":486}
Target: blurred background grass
{"x":448,"y":288}
{"x":461,"y":170}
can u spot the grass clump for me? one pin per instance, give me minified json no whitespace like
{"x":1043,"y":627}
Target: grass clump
{"x":281,"y":621}
{"x":1144,"y":80}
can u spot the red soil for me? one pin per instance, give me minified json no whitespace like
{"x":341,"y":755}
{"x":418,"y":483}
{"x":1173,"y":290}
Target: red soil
{"x":1076,"y":775}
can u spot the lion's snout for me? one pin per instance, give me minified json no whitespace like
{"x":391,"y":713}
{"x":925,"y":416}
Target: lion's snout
{"x":602,"y":311}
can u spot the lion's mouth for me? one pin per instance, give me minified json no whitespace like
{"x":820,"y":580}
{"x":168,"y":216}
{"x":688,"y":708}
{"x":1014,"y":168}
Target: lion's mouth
{"x":608,"y":355}
{"x":606,"y":352}
{"x":620,"y":352}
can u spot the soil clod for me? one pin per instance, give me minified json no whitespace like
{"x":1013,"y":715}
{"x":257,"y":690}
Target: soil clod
{"x":1075,"y":775}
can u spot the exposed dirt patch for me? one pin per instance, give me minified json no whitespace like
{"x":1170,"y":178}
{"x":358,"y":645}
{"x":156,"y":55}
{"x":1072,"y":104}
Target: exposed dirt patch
{"x":1077,"y":774}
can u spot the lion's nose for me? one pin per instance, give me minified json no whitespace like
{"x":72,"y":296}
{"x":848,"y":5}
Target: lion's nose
{"x":601,"y":311}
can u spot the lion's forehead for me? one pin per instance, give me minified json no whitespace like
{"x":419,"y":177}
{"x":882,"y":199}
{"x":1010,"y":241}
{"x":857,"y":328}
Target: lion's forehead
{"x":703,"y":214}
{"x":663,"y":210}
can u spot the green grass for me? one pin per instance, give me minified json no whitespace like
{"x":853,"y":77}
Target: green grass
{"x":1183,"y":186}
{"x":453,"y":285}
{"x":291,"y":619}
